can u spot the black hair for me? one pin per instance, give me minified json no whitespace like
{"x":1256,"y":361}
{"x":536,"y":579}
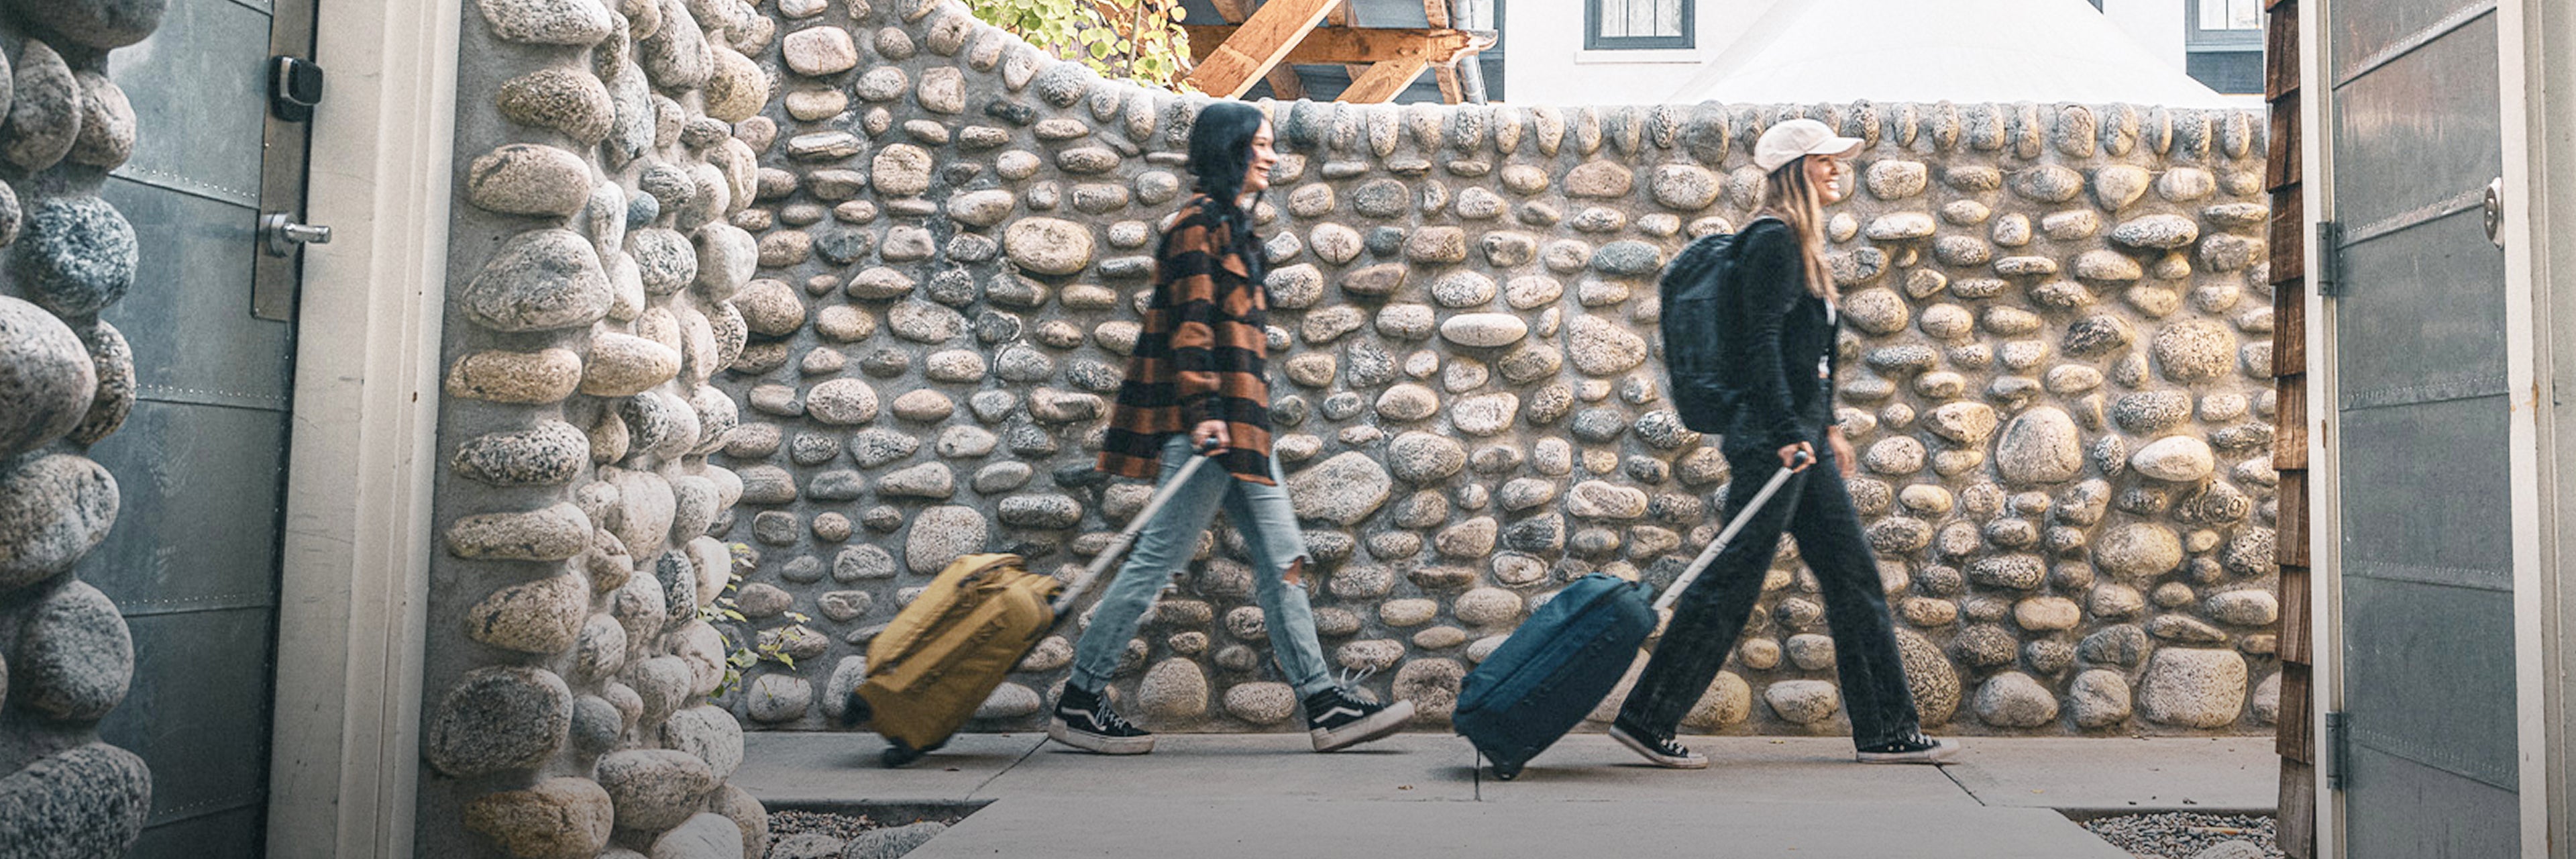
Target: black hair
{"x":1220,"y":155}
{"x":1221,"y":148}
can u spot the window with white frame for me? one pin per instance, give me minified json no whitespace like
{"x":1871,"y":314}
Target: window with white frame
{"x":1634,"y":24}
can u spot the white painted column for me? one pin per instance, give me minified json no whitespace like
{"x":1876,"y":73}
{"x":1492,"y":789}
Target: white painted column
{"x":357,"y":542}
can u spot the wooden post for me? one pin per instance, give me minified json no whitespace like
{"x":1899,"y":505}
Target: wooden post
{"x":1258,"y":45}
{"x":2296,"y":819}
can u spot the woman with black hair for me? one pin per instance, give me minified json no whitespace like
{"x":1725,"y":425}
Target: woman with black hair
{"x":1196,"y":382}
{"x":1784,"y":325}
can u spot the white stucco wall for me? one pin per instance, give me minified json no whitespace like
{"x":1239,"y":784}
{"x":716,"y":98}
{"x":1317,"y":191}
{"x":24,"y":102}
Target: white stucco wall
{"x":2156,"y":24}
{"x":1549,"y":65}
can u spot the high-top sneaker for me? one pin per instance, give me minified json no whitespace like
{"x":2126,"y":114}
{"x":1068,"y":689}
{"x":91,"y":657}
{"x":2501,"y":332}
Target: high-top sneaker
{"x":1084,"y":720}
{"x":1338,"y":720}
{"x":1657,"y":748}
{"x":1914,"y":749}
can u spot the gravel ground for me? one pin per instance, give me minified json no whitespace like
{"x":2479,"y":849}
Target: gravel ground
{"x":840,"y":827}
{"x":2184,"y":835}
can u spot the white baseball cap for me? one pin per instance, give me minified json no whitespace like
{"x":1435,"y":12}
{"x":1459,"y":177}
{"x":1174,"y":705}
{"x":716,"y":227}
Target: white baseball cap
{"x":1797,"y":138}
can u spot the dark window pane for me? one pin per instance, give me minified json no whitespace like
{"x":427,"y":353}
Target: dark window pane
{"x":2231,"y":72}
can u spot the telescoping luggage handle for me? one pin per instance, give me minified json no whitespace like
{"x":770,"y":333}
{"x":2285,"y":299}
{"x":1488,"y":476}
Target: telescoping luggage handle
{"x":1135,"y":526}
{"x":1708,"y":555}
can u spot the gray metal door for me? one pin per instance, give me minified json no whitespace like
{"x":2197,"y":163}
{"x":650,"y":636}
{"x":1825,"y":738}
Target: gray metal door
{"x":193,"y":560}
{"x":2421,"y":411}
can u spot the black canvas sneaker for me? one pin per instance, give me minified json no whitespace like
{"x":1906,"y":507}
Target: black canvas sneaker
{"x":1338,"y":720}
{"x":1916,"y":749}
{"x":1084,"y":721}
{"x":1657,"y":748}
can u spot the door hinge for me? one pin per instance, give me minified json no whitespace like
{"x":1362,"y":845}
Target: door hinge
{"x":2338,"y":750}
{"x":2329,"y":251}
{"x":294,"y":88}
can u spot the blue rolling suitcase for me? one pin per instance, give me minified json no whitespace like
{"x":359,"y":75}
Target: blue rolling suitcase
{"x":1559,"y":664}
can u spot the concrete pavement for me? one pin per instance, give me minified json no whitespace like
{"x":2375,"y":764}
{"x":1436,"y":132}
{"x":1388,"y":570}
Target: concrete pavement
{"x":1420,"y":795}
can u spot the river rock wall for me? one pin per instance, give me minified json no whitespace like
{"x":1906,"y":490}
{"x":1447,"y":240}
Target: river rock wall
{"x":570,"y":655}
{"x":67,"y":382}
{"x":2057,"y":349}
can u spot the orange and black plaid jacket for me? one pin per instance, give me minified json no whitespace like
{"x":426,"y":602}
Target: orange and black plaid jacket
{"x":1200,"y":355}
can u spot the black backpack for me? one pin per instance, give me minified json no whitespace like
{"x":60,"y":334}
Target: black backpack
{"x":1698,"y":296}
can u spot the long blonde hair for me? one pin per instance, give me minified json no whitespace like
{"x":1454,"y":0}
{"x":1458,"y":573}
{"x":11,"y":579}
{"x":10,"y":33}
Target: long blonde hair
{"x":1787,"y":195}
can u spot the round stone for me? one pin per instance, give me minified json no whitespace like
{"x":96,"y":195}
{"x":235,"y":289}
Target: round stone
{"x":2195,"y":350}
{"x":1432,"y":686}
{"x":819,"y":51}
{"x":87,"y":800}
{"x":1485,"y":330}
{"x":2180,"y":458}
{"x":1407,"y":402}
{"x":1802,"y":702}
{"x":2138,"y":550}
{"x":940,"y":535}
{"x":529,"y":179}
{"x":2161,"y":232}
{"x":654,"y":790}
{"x":2195,"y":688}
{"x":1175,"y":690}
{"x":2249,"y":607}
{"x":1048,"y":245}
{"x":1600,"y":347}
{"x":842,"y":402}
{"x":77,"y":254}
{"x":54,"y":509}
{"x":2040,"y":446}
{"x":46,"y":375}
{"x":2015,"y":700}
{"x":499,"y":718}
{"x":1261,"y":703}
{"x":540,"y":280}
{"x":1343,"y":490}
{"x":74,"y":658}
{"x":44,"y":117}
{"x":565,"y":100}
{"x":557,"y":818}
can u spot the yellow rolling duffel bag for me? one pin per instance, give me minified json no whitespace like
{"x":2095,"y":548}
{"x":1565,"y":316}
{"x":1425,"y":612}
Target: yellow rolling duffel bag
{"x":944,"y":654}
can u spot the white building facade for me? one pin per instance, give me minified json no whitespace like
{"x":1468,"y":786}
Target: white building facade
{"x":1638,"y":51}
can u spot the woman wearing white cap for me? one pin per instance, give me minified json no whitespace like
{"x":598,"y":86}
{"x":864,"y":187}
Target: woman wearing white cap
{"x":1782,"y":323}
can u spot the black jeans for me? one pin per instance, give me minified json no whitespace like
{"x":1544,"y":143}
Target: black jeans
{"x":1815,"y":509}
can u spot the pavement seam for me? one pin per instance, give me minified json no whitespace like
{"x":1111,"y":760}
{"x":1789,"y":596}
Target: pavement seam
{"x":1015,"y":764}
{"x":1963,"y":786}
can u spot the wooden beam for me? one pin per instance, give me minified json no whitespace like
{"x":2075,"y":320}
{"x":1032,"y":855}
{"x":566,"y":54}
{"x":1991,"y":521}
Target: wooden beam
{"x":1352,"y":45}
{"x":1284,"y":82}
{"x":1384,"y":80}
{"x":1257,"y":46}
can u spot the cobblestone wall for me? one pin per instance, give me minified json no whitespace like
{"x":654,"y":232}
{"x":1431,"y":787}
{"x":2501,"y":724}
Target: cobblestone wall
{"x":66,"y":382}
{"x":569,"y":665}
{"x":2057,"y":341}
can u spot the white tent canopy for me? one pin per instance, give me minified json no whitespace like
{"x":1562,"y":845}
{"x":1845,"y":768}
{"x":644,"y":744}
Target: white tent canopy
{"x":1807,"y":51}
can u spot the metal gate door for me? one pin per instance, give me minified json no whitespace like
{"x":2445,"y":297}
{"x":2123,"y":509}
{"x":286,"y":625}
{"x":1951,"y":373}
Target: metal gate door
{"x":2421,"y":412}
{"x":193,"y":559}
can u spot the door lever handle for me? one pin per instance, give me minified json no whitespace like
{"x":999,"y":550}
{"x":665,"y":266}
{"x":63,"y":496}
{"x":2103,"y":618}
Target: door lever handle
{"x":2495,"y":211}
{"x":280,"y":233}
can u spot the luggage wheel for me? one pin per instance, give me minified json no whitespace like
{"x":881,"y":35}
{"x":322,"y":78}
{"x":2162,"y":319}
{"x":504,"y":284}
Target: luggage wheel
{"x":855,"y":710}
{"x":1506,"y":772}
{"x":897,"y":754}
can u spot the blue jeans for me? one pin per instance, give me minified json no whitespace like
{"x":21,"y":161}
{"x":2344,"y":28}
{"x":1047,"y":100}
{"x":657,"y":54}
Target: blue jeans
{"x":1269,"y":526}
